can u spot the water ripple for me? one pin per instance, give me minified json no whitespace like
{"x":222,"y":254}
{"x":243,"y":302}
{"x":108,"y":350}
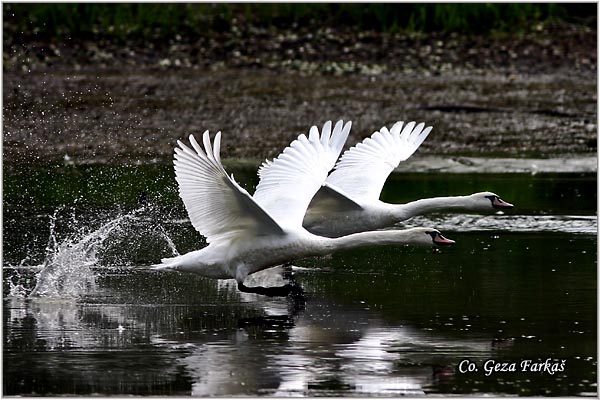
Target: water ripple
{"x":584,"y":224}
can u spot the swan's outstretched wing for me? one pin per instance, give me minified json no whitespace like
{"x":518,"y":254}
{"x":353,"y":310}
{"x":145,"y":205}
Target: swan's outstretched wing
{"x":288,"y":183}
{"x":218,"y":207}
{"x":363,"y":169}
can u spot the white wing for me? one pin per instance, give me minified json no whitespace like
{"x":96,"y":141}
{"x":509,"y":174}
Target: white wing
{"x":288,"y":183}
{"x":218,"y":207}
{"x":363,"y":169}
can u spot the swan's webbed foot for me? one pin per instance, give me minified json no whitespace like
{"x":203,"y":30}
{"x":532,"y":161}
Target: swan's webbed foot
{"x":276,"y":291}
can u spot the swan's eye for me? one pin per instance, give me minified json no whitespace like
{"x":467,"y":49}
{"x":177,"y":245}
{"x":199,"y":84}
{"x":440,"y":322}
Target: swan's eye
{"x":433,"y":234}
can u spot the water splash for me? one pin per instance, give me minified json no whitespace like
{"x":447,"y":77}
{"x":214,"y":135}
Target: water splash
{"x":163,"y":234}
{"x":67,"y":270}
{"x":70,"y":266}
{"x":19,"y":282}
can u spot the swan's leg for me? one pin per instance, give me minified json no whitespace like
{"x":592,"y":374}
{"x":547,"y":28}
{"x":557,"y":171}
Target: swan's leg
{"x":297,"y":293}
{"x":276,"y":291}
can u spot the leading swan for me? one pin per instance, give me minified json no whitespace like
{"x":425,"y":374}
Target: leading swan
{"x":349,"y":201}
{"x":247,"y":233}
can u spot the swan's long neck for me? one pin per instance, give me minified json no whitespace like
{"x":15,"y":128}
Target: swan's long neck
{"x":424,"y":206}
{"x":406,"y":236}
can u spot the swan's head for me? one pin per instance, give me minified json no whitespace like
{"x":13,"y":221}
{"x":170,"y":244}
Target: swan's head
{"x":430,"y":236}
{"x":488,"y":201}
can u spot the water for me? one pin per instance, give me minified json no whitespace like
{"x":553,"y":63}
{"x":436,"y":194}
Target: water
{"x":83,"y":314}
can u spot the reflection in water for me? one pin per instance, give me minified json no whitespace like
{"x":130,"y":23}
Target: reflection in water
{"x":324,"y":348}
{"x":318,"y":355}
{"x":58,"y":346}
{"x":375,"y":362}
{"x":66,"y":324}
{"x":279,"y":348}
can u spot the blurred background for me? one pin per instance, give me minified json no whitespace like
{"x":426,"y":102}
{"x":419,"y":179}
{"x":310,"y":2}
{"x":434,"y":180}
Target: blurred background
{"x":144,"y":75}
{"x":167,"y":20}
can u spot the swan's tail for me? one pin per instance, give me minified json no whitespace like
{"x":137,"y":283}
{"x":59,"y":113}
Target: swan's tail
{"x":192,"y":262}
{"x":168,"y":263}
{"x":186,"y":262}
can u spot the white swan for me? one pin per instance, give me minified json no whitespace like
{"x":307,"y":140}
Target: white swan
{"x":247,"y":234}
{"x":349,"y":201}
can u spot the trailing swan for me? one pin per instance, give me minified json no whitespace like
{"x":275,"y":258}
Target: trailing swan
{"x":348,"y":202}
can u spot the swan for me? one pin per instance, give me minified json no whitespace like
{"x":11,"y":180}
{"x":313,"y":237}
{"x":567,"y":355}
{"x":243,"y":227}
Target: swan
{"x":348,"y":202}
{"x":247,"y":234}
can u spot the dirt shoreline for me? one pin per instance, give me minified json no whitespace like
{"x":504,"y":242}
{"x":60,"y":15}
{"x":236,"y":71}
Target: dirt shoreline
{"x":533,"y":97}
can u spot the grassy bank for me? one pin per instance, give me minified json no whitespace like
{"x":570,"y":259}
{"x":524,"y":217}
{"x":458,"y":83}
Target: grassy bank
{"x":48,"y":21}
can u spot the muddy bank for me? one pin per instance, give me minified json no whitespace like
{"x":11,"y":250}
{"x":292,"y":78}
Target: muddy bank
{"x":520,"y":96}
{"x":136,"y":115}
{"x":543,"y":48}
{"x":467,"y":165}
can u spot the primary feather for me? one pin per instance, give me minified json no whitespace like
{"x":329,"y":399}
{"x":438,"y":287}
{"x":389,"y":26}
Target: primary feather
{"x":218,"y":207}
{"x":363,"y":170}
{"x":289,"y":182}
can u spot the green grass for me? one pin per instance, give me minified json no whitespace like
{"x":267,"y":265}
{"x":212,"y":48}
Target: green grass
{"x":119,"y":20}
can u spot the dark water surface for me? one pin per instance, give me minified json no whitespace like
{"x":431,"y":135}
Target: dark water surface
{"x":376,"y":321}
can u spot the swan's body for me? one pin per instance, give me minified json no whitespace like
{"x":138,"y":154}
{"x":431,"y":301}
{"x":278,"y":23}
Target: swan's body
{"x":225,"y":260}
{"x":247,"y":234}
{"x":349,"y":202}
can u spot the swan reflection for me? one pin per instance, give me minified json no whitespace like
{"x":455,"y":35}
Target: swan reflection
{"x":322,"y":348}
{"x":216,"y":341}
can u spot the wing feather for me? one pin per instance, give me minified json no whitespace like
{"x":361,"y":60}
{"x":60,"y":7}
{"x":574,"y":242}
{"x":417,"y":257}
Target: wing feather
{"x":218,"y":207}
{"x":364,"y":168}
{"x":288,"y":183}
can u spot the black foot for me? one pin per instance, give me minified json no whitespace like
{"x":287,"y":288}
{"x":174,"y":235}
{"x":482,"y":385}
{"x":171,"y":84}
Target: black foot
{"x":277,"y":291}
